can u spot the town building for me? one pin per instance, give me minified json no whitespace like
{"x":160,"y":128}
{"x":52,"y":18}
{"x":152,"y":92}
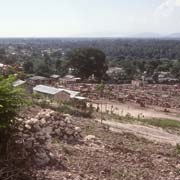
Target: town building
{"x":52,"y":93}
{"x":35,"y":80}
{"x":57,"y":94}
{"x":19,"y":83}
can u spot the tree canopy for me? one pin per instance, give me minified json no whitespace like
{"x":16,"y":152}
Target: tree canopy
{"x":28,"y":67}
{"x":87,"y":62}
{"x":11,"y":99}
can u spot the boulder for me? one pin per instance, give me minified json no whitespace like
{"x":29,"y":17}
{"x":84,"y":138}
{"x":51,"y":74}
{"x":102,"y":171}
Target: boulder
{"x":90,"y":137}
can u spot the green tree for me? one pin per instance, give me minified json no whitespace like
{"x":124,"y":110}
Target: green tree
{"x":43,"y":70}
{"x":87,"y":62}
{"x":28,"y":67}
{"x":130,"y":69}
{"x":176,"y":69}
{"x":11,"y":100}
{"x":100,"y":88}
{"x":58,"y":65}
{"x":61,"y":66}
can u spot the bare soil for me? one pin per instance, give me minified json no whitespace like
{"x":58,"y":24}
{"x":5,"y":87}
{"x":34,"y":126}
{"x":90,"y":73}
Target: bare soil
{"x":113,"y":156}
{"x":136,"y":111}
{"x":150,"y":133}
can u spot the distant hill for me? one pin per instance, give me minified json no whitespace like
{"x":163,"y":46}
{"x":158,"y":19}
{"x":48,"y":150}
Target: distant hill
{"x":152,"y":35}
{"x":174,"y":35}
{"x":147,"y":35}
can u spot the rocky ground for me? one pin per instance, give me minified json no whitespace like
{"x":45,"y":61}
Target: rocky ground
{"x":70,"y":148}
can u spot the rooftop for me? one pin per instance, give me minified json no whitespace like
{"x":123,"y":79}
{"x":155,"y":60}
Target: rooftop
{"x":18,"y":83}
{"x":1,"y":65}
{"x":80,"y":98}
{"x":53,"y":91}
{"x":72,"y":93}
{"x":38,"y":78}
{"x":46,"y":89}
{"x":55,"y":76}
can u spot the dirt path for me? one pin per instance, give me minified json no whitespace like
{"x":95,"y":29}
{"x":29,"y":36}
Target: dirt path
{"x":150,"y":133}
{"x":135,"y":111}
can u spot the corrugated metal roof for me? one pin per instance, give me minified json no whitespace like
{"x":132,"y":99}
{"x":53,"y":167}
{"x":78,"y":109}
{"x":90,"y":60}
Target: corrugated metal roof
{"x":69,"y":77}
{"x":18,"y":83}
{"x":80,"y":98}
{"x":52,"y":90}
{"x":55,"y":76}
{"x":46,"y":89}
{"x":1,"y":65}
{"x":72,"y":93}
{"x":38,"y":78}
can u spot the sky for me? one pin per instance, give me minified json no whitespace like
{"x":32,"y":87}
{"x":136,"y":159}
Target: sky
{"x":87,"y":18}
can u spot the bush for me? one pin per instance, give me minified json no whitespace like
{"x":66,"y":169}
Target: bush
{"x":11,"y":100}
{"x":73,"y":111}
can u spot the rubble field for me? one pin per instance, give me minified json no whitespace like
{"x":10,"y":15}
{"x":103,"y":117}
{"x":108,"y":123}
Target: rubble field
{"x":166,"y":96}
{"x":82,"y":149}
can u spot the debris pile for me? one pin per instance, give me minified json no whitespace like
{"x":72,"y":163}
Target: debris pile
{"x":166,"y":96}
{"x":38,"y":133}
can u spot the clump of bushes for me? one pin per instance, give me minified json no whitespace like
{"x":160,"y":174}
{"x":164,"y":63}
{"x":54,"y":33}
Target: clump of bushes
{"x":11,"y":101}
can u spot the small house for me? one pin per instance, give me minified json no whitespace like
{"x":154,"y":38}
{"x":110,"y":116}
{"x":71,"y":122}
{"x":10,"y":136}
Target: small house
{"x":18,"y":83}
{"x":35,"y":80}
{"x":69,"y":79}
{"x":55,"y":77}
{"x":52,"y":93}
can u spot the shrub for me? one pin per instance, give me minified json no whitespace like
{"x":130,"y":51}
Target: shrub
{"x":11,"y":100}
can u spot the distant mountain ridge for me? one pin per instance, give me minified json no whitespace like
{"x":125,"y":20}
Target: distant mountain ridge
{"x":175,"y":35}
{"x":156,"y":35}
{"x":147,"y":35}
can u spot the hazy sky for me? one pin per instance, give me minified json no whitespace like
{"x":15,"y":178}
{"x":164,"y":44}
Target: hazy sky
{"x":61,"y":18}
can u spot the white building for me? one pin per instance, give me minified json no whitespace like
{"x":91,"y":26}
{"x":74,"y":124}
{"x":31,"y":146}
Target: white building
{"x":58,"y":94}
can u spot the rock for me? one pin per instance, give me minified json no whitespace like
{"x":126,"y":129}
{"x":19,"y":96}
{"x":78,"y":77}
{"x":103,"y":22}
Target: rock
{"x":47,"y":130}
{"x":77,"y":178}
{"x":27,"y":126}
{"x":57,"y":131}
{"x":32,"y":121}
{"x":20,"y":119}
{"x":42,"y":159}
{"x":68,"y":118}
{"x":65,"y":137}
{"x":39,"y":132}
{"x":69,"y":131}
{"x":78,"y":129}
{"x":29,"y":143}
{"x":178,"y":166}
{"x":90,"y":137}
{"x":71,"y":138}
{"x":62,"y":124}
{"x":36,"y":127}
{"x":43,"y":121}
{"x":52,"y":155}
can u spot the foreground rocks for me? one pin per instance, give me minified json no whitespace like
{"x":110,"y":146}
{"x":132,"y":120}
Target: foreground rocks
{"x":46,"y":147}
{"x":38,"y":134}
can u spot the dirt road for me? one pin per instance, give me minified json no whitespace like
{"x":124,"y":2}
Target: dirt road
{"x":150,"y":133}
{"x":136,"y":111}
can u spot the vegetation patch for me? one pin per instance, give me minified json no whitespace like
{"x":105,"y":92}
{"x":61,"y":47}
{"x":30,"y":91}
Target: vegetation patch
{"x":163,"y":123}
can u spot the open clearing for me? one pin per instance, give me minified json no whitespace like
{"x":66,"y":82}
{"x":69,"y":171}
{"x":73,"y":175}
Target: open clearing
{"x":137,"y":111}
{"x":151,"y":133}
{"x":153,"y":129}
{"x":114,"y":156}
